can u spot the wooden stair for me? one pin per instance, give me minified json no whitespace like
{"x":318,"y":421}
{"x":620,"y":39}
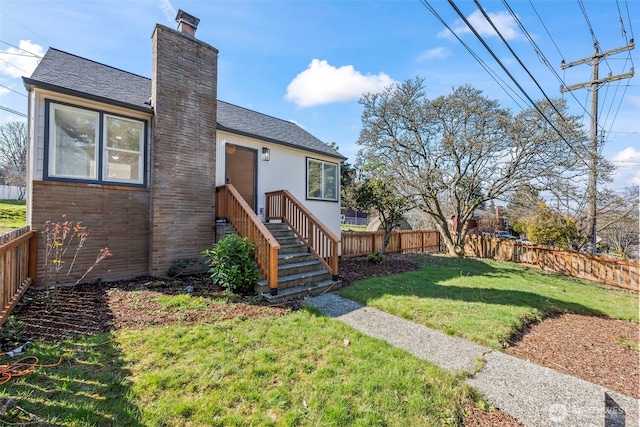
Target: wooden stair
{"x":300,"y":274}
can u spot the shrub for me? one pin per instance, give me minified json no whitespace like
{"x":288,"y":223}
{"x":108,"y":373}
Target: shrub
{"x":232,"y":265}
{"x":376,"y":258}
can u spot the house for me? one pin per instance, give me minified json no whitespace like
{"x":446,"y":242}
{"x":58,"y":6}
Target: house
{"x":145,"y":163}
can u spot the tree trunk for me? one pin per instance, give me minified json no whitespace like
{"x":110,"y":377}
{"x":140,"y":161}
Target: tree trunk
{"x":450,"y":241}
{"x":385,"y":242}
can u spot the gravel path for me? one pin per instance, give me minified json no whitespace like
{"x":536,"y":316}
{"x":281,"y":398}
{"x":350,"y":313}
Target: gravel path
{"x":536,"y":396}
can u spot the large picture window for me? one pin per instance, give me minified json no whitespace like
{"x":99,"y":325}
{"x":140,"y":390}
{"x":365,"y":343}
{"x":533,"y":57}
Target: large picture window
{"x":322,"y":180}
{"x":90,"y":145}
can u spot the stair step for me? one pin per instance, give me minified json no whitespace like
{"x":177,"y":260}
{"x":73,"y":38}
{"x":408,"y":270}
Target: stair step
{"x":285,"y":270}
{"x":277,"y":226}
{"x":303,"y":279}
{"x":293,"y":257}
{"x":282,"y":233}
{"x":301,"y":292}
{"x":306,"y":278}
{"x":293,"y":248}
{"x":289,"y":240}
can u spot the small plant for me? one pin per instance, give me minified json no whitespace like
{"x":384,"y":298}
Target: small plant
{"x":60,"y":238}
{"x":376,"y":258}
{"x":232,"y":264}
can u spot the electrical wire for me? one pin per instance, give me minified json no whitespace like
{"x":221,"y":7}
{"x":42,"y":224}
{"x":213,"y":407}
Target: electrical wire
{"x":495,"y":57}
{"x":541,"y":54}
{"x":19,"y":48}
{"x":506,"y":43}
{"x":17,"y":113}
{"x":586,"y":18}
{"x":503,"y":85}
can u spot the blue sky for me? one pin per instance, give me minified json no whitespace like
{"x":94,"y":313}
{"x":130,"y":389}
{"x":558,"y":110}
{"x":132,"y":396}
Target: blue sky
{"x":310,"y":61}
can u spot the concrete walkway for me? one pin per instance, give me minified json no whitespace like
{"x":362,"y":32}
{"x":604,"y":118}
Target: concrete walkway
{"x":534,"y":395}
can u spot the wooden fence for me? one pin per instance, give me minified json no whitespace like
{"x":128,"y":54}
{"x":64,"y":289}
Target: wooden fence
{"x":611,"y":271}
{"x":18,"y":266}
{"x":365,"y":243}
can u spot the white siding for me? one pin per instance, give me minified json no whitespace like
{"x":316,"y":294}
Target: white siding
{"x":286,"y":169}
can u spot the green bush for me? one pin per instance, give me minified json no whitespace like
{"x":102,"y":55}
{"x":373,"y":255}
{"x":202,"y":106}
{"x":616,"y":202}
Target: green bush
{"x":232,"y":264}
{"x":376,"y":258}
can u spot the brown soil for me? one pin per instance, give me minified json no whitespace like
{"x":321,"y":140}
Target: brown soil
{"x":603,"y":351}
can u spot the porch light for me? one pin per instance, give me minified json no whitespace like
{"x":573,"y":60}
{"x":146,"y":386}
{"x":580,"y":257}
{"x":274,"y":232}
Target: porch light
{"x":266,"y":154}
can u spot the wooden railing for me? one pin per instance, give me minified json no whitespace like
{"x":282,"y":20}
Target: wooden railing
{"x":320,"y":240}
{"x":611,"y":271}
{"x":18,"y":267}
{"x":365,"y":243}
{"x":232,"y":207}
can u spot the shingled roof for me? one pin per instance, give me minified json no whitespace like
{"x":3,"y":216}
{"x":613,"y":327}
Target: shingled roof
{"x":67,"y":73}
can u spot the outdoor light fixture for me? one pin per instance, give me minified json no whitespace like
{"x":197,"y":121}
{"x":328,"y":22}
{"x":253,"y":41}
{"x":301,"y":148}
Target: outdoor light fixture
{"x":266,"y":154}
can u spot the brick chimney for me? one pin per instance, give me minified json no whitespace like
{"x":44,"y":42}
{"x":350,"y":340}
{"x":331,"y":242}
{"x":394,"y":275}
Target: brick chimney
{"x":184,"y":81}
{"x":188,"y":24}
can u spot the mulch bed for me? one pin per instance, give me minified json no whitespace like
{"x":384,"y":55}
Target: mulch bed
{"x":594,"y":349}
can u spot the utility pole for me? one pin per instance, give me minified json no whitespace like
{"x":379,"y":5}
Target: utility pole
{"x":594,"y":84}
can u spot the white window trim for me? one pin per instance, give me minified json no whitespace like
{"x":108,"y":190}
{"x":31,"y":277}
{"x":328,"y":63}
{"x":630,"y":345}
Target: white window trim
{"x":101,"y":167}
{"x":322,"y":183}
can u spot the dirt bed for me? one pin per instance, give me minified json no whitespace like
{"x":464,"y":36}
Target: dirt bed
{"x":594,"y":349}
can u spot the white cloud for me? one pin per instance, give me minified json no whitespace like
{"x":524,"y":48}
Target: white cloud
{"x":628,"y":172}
{"x":322,"y":83}
{"x":168,"y":10}
{"x":436,"y":53}
{"x":634,"y":100}
{"x":20,"y":62}
{"x":502,"y":20}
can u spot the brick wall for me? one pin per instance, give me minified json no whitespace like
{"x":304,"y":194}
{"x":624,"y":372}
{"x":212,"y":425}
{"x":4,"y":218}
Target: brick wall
{"x":116,"y":217}
{"x":184,"y":96}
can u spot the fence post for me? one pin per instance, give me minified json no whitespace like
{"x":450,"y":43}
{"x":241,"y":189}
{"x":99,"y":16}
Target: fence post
{"x":33,"y":257}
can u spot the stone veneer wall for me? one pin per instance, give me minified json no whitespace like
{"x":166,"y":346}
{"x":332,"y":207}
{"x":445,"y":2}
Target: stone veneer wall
{"x":184,"y":97}
{"x":116,"y":217}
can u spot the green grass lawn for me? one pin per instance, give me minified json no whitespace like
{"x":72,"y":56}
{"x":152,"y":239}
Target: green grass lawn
{"x":13,"y":214}
{"x":292,"y":370}
{"x":300,"y":369}
{"x":485,"y":300}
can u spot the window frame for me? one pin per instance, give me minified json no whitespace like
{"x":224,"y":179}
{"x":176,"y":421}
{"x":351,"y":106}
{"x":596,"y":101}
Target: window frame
{"x":323,"y":163}
{"x":102,"y":150}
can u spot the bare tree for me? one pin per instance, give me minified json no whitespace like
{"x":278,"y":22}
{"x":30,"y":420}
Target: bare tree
{"x":450,"y":155}
{"x":13,"y":153}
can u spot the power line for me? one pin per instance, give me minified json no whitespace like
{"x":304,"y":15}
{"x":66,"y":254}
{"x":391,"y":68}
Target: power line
{"x":15,"y":66}
{"x":488,"y":18}
{"x":17,"y":113}
{"x":19,"y":48}
{"x":23,"y":26}
{"x":483,"y":64}
{"x":495,"y":57}
{"x":543,"y":25}
{"x":16,"y":54}
{"x":12,"y":90}
{"x":586,"y":18}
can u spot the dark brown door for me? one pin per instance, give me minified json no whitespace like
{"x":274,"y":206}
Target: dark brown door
{"x":240,"y":166}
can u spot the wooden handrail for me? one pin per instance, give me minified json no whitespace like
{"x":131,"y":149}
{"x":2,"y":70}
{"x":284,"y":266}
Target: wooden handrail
{"x":231,"y":206}
{"x":311,"y":231}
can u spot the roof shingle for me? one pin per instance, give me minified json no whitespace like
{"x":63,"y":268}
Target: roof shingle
{"x":72,"y":74}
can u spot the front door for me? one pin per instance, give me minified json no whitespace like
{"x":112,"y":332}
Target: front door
{"x":240,"y":167}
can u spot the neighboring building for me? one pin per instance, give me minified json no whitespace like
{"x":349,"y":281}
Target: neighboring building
{"x":138,"y":160}
{"x":354,"y":217}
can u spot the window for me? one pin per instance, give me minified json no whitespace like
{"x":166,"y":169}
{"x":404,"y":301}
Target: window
{"x":94,"y":146}
{"x":322,"y":180}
